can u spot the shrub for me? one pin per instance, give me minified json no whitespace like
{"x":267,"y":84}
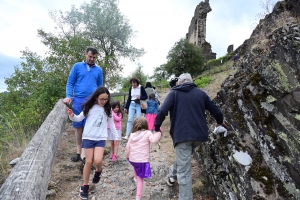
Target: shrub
{"x":202,"y":82}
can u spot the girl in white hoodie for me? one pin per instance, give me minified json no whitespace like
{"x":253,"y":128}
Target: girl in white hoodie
{"x":98,"y":112}
{"x":138,"y":151}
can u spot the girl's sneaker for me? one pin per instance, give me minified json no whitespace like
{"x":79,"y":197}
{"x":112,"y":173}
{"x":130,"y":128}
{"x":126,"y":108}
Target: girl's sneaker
{"x":114,"y":158}
{"x":84,"y":192}
{"x":111,"y":155}
{"x":97,"y":177}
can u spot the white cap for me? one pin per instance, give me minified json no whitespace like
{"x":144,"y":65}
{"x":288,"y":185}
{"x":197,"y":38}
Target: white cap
{"x":185,"y":78}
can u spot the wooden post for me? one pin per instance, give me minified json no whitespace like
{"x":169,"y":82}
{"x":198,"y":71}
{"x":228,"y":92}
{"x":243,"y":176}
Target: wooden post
{"x":30,"y":177}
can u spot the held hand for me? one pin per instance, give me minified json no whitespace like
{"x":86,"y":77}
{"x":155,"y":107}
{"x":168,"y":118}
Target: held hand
{"x":67,"y":100}
{"x":137,"y":97}
{"x":223,"y":124}
{"x":70,"y":112}
{"x":125,"y":110}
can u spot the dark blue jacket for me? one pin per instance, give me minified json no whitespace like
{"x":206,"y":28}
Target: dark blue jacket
{"x":143,"y":96}
{"x":187,"y":105}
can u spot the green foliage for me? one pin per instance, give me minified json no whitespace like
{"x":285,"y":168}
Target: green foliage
{"x":184,"y":57}
{"x":34,"y":88}
{"x":160,"y":73}
{"x":138,"y":73}
{"x":98,"y":23}
{"x":219,"y":61}
{"x":38,"y":83}
{"x":202,"y":82}
{"x":164,"y":83}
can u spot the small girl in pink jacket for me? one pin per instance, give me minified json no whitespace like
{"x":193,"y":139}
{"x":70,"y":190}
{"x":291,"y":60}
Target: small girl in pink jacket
{"x":138,"y":151}
{"x":117,"y":116}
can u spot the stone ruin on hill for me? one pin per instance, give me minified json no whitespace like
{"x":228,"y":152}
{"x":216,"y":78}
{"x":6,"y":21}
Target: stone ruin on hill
{"x":197,"y":30}
{"x":261,"y":104}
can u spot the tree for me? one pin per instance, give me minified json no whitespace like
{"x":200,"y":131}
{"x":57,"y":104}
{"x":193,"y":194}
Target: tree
{"x":100,"y":24}
{"x":39,"y":82}
{"x":184,"y":57}
{"x":160,"y":73}
{"x":34,"y":88}
{"x":138,"y":73}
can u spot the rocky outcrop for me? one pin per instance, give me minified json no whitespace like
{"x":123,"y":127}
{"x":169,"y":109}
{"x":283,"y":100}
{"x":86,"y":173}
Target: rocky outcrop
{"x":261,"y":104}
{"x":197,"y":30}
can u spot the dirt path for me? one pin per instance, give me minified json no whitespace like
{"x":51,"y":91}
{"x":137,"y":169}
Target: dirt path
{"x":117,"y":178}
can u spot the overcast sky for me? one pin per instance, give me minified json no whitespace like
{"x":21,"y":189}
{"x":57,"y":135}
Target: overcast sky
{"x":158,"y":25}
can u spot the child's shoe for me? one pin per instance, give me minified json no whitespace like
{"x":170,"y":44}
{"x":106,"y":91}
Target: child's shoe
{"x":114,"y":158}
{"x":111,"y":155}
{"x":97,"y":177}
{"x":84,"y":192}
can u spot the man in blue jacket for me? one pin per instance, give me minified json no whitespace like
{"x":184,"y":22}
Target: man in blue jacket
{"x":85,"y":77}
{"x":187,"y":105}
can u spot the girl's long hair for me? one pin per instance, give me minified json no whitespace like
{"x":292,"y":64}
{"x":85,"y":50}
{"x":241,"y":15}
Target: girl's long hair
{"x":139,"y":124}
{"x":115,"y":104}
{"x":93,"y":100}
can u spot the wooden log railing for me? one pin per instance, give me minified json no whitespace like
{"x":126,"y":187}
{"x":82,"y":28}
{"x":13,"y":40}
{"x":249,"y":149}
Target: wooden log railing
{"x":30,"y":177}
{"x":124,"y":94}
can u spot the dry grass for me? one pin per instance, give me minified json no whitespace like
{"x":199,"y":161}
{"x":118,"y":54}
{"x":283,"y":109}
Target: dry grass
{"x":218,"y":78}
{"x":13,"y":142}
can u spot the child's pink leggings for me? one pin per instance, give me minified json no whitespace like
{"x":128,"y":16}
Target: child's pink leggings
{"x":139,"y":187}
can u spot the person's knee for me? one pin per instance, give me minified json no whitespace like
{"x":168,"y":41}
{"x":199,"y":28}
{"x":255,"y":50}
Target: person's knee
{"x":98,"y":162}
{"x":116,"y":142}
{"x":88,"y":162}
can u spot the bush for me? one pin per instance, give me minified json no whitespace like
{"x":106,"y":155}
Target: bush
{"x":202,"y":82}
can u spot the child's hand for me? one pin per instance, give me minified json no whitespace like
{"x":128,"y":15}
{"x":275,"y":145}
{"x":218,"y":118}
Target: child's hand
{"x":70,"y":112}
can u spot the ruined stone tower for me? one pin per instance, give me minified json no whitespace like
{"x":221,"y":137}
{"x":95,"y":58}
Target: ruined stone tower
{"x":197,"y":30}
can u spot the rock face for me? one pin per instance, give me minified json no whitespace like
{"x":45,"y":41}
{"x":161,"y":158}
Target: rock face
{"x":197,"y":30}
{"x":230,"y":49}
{"x":261,"y":104}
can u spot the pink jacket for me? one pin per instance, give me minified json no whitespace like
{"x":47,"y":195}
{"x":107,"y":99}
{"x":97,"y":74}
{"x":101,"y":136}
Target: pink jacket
{"x":138,"y":146}
{"x":117,"y":120}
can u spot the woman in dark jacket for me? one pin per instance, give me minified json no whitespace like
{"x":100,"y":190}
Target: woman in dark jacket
{"x":136,"y":93}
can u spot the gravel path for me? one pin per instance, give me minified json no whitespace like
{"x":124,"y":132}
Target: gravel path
{"x":117,"y":177}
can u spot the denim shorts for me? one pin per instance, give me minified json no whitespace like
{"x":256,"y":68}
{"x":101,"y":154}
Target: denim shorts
{"x":90,"y":144}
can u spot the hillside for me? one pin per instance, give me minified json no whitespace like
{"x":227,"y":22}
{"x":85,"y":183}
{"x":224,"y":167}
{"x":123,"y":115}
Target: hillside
{"x":261,"y":104}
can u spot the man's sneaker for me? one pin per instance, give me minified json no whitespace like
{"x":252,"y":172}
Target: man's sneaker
{"x":84,"y":192}
{"x":97,"y":177}
{"x":75,"y":158}
{"x":125,"y":137}
{"x":82,"y":160}
{"x":170,"y":181}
